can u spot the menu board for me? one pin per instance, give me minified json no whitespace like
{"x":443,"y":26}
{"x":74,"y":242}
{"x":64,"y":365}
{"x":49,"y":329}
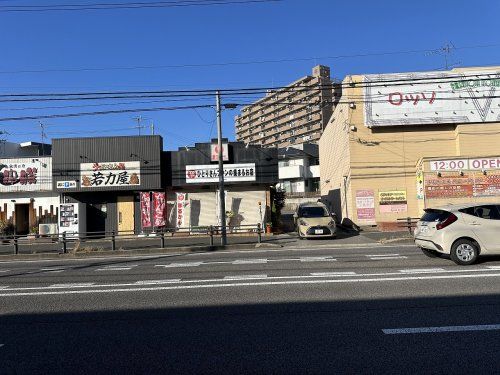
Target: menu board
{"x":67,"y":215}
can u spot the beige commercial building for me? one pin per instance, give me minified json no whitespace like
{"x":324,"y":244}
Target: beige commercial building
{"x":398,"y":143}
{"x":295,"y":114}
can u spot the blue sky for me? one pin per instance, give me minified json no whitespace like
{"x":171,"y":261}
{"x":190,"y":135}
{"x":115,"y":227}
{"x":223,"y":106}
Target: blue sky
{"x":289,"y":29}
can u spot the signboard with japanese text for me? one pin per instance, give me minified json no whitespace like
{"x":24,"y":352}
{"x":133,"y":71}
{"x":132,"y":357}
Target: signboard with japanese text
{"x":159,"y":207}
{"x":199,"y":174}
{"x":181,"y":202}
{"x":66,"y":184}
{"x":468,"y":185}
{"x":365,"y":205}
{"x":392,"y":201}
{"x":26,"y":174}
{"x":214,"y":152}
{"x":145,"y":198}
{"x":431,"y":98}
{"x":110,"y":174}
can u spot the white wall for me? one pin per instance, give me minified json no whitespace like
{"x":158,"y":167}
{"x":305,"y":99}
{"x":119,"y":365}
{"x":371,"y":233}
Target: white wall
{"x":45,"y":202}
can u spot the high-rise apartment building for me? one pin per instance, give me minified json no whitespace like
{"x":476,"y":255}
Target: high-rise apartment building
{"x":292,"y":115}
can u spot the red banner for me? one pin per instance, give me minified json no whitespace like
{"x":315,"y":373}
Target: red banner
{"x":145,"y":209}
{"x":159,"y":209}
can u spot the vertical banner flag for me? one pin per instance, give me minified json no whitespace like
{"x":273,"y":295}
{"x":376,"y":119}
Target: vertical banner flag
{"x":145,"y":209}
{"x":180,"y":204}
{"x":159,"y":209}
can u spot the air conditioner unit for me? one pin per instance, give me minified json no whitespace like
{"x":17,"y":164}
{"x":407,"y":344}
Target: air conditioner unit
{"x":47,"y":229}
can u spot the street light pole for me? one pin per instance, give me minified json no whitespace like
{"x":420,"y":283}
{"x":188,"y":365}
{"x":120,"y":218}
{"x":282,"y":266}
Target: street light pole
{"x":222,"y":195}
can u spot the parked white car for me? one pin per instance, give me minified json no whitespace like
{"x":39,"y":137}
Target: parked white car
{"x":462,"y":231}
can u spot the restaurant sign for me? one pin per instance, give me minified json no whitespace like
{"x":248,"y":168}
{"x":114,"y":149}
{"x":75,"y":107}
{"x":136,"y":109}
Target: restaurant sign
{"x":25,"y":174}
{"x":392,"y":201}
{"x":110,"y":174}
{"x":197,"y":174}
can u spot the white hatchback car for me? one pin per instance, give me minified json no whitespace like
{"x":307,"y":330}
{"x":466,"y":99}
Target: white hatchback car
{"x":463,"y":231}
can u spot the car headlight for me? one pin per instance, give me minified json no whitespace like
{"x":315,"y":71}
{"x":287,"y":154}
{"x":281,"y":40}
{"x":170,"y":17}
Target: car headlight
{"x":302,"y":222}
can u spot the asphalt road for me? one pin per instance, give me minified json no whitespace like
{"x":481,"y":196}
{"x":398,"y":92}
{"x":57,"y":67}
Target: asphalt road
{"x":315,"y":308}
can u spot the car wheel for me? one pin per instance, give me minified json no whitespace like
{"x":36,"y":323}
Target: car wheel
{"x":430,"y":253}
{"x":464,"y":252}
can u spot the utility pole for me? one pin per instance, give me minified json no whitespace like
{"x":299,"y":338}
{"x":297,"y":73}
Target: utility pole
{"x":222,"y":195}
{"x":152,"y":127}
{"x":43,"y":135}
{"x":139,"y":121}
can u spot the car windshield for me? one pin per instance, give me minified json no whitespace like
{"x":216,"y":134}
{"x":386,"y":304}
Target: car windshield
{"x":313,"y":212}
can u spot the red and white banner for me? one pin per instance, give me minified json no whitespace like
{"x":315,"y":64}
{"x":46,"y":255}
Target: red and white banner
{"x":214,"y":152}
{"x":145,"y":209}
{"x":159,"y":209}
{"x":181,"y":202}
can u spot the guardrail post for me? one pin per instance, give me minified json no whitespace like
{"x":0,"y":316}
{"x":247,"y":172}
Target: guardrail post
{"x":211,"y":233}
{"x":259,"y":234}
{"x":162,"y":239}
{"x":64,"y":244}
{"x":16,"y":246}
{"x":113,"y":240}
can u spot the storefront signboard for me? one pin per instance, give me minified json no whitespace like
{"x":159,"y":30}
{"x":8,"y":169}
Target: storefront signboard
{"x":431,"y":98}
{"x":214,"y":152}
{"x":66,"y":184}
{"x":25,"y":174}
{"x":365,"y":205}
{"x":392,"y":201}
{"x":110,"y":174}
{"x":453,"y":186}
{"x":465,"y":164}
{"x":199,"y":174}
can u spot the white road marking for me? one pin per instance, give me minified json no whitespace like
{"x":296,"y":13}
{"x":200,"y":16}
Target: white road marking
{"x":317,"y":259}
{"x":1,"y":271}
{"x":175,"y":265}
{"x":4,"y":287}
{"x":422,"y":270}
{"x":399,"y":331}
{"x":493,"y":267}
{"x":250,"y":261}
{"x":71,"y":285}
{"x":114,"y":269}
{"x":386,"y":258}
{"x":244,"y":284}
{"x":333,"y":273}
{"x":381,"y":255}
{"x":155,"y":282}
{"x":58,"y":269}
{"x":245,"y":277}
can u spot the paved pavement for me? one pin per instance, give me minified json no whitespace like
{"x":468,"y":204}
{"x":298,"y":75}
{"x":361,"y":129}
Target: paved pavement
{"x":310,"y":307}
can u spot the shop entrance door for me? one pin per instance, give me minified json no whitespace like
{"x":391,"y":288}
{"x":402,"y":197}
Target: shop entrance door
{"x":96,"y":219}
{"x":22,"y":218}
{"x":126,"y":214}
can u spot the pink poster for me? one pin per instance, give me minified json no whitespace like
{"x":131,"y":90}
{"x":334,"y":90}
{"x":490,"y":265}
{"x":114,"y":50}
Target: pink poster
{"x":365,"y":205}
{"x":159,"y":209}
{"x":180,"y":204}
{"x":145,"y":209}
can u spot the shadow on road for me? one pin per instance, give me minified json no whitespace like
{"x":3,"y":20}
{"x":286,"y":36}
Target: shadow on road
{"x":284,"y":338}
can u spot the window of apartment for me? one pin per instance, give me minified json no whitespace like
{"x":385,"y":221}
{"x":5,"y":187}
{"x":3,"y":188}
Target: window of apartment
{"x":308,"y":108}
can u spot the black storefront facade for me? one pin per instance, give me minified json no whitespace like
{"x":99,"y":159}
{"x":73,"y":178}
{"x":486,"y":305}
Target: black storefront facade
{"x":192,"y":184}
{"x":103,"y":178}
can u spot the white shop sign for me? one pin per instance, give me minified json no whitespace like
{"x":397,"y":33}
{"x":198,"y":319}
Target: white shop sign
{"x":214,"y":152}
{"x":26,"y":174}
{"x":196,"y":174}
{"x":431,"y":98}
{"x":110,"y":174}
{"x":465,"y":164}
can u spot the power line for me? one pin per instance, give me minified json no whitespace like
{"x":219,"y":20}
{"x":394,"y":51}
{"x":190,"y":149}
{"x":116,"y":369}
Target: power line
{"x":114,"y":6}
{"x":251,"y":62}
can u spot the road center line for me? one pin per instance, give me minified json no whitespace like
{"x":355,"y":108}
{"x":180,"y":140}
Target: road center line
{"x":399,"y":331}
{"x":250,"y":261}
{"x":386,"y":258}
{"x":245,"y":277}
{"x":422,"y":270}
{"x":317,"y":259}
{"x":114,"y":269}
{"x":71,"y":285}
{"x":333,"y":273}
{"x":174,"y":265}
{"x":245,"y":284}
{"x":381,"y":255}
{"x":155,"y":282}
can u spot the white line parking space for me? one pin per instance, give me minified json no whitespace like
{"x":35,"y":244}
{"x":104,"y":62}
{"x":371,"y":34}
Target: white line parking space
{"x":400,"y":331}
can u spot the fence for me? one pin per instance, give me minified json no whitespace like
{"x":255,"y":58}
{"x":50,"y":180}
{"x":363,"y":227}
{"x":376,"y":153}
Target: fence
{"x":161,"y":238}
{"x":408,"y":222}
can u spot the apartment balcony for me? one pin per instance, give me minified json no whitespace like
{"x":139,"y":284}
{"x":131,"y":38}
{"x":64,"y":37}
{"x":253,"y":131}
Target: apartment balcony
{"x":313,"y":171}
{"x":292,"y":171}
